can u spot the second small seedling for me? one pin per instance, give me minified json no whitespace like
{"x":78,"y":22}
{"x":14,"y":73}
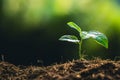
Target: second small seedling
{"x":100,"y":38}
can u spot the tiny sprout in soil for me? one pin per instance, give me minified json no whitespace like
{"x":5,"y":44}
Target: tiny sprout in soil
{"x":99,"y":37}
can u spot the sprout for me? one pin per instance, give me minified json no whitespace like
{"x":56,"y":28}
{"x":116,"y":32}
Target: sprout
{"x":100,"y":38}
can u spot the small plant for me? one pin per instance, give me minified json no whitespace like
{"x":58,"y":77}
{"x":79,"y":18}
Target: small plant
{"x":100,"y":38}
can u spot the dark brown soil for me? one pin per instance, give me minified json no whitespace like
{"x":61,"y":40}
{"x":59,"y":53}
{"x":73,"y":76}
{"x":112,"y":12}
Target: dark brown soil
{"x":74,"y":70}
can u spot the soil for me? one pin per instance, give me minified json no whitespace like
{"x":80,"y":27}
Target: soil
{"x":73,"y":70}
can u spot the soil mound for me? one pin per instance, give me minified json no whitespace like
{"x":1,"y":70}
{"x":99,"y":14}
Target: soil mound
{"x":73,"y":70}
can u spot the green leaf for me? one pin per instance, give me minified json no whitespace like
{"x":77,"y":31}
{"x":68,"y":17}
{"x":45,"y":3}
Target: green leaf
{"x":97,"y":36}
{"x":85,"y":35}
{"x":69,"y":38}
{"x":75,"y":26}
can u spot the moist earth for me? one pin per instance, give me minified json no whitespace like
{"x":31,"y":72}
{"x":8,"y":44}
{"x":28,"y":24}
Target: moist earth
{"x":72,"y":70}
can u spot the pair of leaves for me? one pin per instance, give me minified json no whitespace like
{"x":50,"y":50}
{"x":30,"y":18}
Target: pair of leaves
{"x":100,"y":38}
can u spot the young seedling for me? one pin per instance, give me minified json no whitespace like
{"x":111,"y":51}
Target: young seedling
{"x":100,"y":38}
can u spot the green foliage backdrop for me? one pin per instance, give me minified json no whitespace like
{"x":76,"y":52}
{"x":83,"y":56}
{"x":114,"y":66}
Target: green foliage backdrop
{"x":31,"y":28}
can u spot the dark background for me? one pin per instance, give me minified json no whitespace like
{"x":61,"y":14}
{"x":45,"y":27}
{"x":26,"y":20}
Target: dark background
{"x":29,"y":30}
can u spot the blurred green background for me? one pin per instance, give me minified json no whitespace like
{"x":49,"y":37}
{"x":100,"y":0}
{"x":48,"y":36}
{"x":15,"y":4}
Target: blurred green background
{"x":30,"y":29}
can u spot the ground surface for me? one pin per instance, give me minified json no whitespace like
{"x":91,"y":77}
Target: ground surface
{"x":74,"y":70}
